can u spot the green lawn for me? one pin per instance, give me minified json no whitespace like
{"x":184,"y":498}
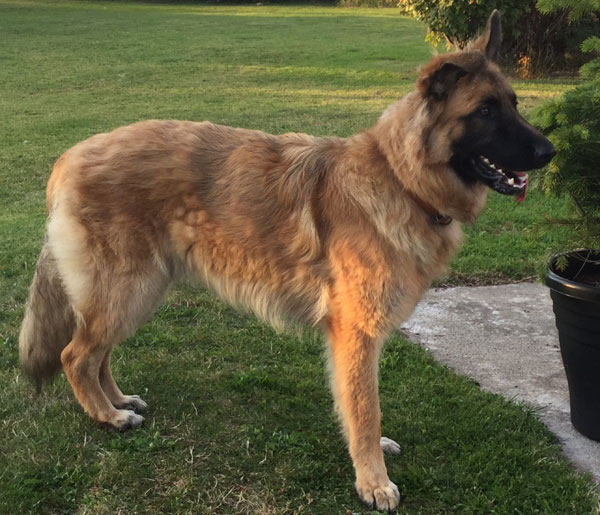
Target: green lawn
{"x":240,"y":418}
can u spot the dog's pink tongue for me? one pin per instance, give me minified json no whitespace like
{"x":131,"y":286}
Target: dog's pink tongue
{"x":520,"y":197}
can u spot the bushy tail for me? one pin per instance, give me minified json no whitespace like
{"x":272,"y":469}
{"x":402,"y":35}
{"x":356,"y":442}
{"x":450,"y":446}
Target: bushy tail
{"x":48,"y":324}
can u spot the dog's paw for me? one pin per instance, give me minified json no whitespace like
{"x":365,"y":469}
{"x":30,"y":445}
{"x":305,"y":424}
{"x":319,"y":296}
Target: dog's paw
{"x":133,"y":402}
{"x":384,"y":497}
{"x":388,"y":446}
{"x":126,"y":419}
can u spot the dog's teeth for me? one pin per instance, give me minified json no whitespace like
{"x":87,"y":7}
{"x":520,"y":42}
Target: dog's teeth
{"x":486,"y":161}
{"x":511,"y":181}
{"x":492,"y":165}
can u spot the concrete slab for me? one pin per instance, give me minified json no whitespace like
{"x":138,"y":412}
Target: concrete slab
{"x":504,"y":337}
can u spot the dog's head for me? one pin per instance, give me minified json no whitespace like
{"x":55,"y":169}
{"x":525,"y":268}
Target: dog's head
{"x":478,"y":130}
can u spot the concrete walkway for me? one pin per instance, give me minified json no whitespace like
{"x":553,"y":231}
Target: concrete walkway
{"x":505,"y":338}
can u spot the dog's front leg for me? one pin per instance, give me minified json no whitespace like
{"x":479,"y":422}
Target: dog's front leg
{"x":354,"y":360}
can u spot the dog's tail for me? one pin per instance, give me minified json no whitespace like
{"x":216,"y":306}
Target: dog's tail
{"x":49,"y":321}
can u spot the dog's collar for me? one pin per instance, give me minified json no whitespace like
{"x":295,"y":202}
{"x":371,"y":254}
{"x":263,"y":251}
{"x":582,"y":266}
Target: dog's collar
{"x":436,"y":217}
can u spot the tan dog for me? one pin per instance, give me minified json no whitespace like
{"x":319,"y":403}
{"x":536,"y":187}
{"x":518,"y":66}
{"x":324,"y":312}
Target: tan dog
{"x":345,"y":234}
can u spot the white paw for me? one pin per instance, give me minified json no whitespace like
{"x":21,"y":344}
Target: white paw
{"x":389,"y":446}
{"x":133,"y":402}
{"x":126,"y":419}
{"x":385,"y":497}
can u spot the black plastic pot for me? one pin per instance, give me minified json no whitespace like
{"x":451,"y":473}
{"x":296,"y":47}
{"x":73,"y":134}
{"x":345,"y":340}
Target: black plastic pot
{"x":577,"y":311}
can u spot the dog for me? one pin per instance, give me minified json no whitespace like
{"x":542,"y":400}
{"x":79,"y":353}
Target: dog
{"x":342,"y":234}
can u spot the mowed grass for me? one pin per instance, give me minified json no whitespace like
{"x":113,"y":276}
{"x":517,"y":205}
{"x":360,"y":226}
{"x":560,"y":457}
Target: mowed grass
{"x":240,"y":417}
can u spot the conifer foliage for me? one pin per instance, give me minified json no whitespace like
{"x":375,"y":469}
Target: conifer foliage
{"x":572,"y":122}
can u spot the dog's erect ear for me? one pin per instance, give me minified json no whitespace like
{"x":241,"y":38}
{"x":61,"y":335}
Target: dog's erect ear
{"x":437,"y":82}
{"x":490,"y":41}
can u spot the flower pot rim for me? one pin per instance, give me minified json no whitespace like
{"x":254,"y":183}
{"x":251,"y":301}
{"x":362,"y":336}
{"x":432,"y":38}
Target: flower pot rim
{"x":570,"y":287}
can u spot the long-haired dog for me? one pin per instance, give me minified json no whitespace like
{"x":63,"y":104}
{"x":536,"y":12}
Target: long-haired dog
{"x":345,"y":234}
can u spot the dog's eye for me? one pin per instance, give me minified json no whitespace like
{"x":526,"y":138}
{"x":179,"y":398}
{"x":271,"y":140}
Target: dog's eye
{"x":484,"y":111}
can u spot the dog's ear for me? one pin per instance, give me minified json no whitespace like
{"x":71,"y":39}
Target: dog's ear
{"x":490,"y":41}
{"x":437,"y":81}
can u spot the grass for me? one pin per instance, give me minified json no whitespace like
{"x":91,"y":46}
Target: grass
{"x":240,"y":418}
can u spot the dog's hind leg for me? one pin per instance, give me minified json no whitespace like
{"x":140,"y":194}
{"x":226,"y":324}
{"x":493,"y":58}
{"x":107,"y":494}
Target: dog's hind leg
{"x":134,"y":300}
{"x":354,"y":357}
{"x":120,"y":305}
{"x":82,"y":360}
{"x":114,"y":280}
{"x":113,"y":392}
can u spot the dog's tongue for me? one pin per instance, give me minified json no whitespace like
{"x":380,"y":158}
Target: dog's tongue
{"x":520,"y":197}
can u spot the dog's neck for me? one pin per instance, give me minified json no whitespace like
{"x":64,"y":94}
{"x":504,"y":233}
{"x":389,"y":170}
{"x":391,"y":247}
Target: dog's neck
{"x":402,"y":138}
{"x":435,"y":216}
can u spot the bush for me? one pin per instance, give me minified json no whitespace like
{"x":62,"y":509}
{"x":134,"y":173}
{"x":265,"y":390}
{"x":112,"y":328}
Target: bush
{"x":572,"y":122}
{"x":533,"y":42}
{"x":576,"y":9}
{"x":573,"y":125}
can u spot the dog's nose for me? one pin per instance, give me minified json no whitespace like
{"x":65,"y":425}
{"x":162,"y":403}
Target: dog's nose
{"x":544,"y":151}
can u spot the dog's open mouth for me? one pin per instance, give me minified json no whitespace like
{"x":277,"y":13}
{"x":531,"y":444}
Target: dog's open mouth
{"x":502,"y":180}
